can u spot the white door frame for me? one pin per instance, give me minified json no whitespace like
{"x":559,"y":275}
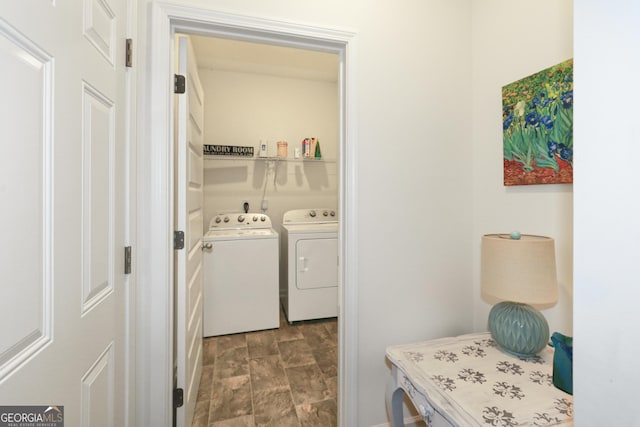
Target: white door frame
{"x":154,"y":311}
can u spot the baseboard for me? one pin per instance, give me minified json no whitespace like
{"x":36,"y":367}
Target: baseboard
{"x":408,"y":422}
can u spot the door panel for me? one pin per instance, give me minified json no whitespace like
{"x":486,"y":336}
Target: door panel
{"x":63,"y":186}
{"x":26,"y":262}
{"x":99,"y":27}
{"x":317,"y":263}
{"x":98,"y":147}
{"x":97,"y":391}
{"x":189,"y":218}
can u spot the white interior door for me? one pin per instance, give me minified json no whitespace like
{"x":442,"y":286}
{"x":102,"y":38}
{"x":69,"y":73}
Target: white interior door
{"x":189,"y":218}
{"x":63,"y":184}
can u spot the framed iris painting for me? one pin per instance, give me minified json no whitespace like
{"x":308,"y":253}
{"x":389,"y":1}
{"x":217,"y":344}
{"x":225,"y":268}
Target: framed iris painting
{"x":537,"y":126}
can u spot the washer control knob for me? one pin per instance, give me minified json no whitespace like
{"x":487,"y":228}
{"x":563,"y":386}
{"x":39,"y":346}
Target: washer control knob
{"x":240,"y":218}
{"x":226,"y":219}
{"x":312,"y":214}
{"x":218,"y":220}
{"x":255,"y":218}
{"x":263,"y":218}
{"x":325,"y":213}
{"x":333,"y":213}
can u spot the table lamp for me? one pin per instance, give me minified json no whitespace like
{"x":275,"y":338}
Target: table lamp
{"x":519,"y":270}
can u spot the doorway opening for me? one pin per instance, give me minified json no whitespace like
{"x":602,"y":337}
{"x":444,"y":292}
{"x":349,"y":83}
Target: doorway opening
{"x":255,"y":94}
{"x":156,"y":203}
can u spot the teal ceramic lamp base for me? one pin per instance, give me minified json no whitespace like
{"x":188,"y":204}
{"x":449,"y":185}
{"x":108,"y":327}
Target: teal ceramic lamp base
{"x":518,"y":328}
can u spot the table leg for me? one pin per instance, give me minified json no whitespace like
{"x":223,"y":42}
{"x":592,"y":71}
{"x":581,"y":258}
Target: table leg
{"x":394,"y":397}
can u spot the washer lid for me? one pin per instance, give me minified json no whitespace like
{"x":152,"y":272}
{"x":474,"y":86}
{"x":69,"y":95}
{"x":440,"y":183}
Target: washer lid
{"x":242,"y":234}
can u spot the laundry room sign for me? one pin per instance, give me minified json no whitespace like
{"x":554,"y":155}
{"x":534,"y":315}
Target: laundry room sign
{"x":227,"y":150}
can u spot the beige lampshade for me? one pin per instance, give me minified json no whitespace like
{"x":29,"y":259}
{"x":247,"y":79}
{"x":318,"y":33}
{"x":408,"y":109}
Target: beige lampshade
{"x":521,"y":270}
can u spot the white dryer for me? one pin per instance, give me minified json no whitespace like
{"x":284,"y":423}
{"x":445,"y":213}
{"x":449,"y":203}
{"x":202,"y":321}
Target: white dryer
{"x":240,"y":267}
{"x":309,"y":264}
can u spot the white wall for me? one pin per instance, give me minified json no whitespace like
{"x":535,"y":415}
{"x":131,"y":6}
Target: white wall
{"x":415,"y":230}
{"x":512,"y":40}
{"x":244,"y":108}
{"x":607,"y":213}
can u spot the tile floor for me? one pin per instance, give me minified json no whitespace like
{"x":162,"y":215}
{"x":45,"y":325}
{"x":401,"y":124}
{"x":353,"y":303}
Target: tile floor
{"x":281,"y":377}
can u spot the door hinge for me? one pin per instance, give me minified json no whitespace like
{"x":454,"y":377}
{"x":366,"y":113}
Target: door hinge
{"x":178,"y":240}
{"x":179,"y":84}
{"x":128,"y":55}
{"x":178,"y":397}
{"x":127,"y":260}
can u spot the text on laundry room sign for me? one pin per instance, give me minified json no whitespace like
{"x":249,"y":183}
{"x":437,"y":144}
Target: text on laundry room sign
{"x":227,"y":150}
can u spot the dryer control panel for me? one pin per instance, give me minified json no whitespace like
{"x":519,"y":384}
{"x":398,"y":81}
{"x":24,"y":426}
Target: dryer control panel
{"x":239,"y":220}
{"x":307,"y":216}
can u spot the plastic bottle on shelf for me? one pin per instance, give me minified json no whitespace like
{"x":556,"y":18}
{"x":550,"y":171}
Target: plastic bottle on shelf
{"x":317,"y":153}
{"x":312,"y":147}
{"x":263,"y":149}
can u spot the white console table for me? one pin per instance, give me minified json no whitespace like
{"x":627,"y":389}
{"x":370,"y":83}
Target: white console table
{"x":467,"y":381}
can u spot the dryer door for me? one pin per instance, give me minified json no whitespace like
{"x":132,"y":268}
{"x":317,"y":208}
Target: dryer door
{"x":317,"y":263}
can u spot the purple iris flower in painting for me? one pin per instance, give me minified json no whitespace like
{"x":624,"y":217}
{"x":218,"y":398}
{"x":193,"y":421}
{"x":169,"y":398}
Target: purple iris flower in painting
{"x":546,"y":102}
{"x":553,"y":147}
{"x":567,"y":99}
{"x":531,"y":119}
{"x":507,"y":122}
{"x":566,"y":153}
{"x":535,"y":101}
{"x":546,"y":121}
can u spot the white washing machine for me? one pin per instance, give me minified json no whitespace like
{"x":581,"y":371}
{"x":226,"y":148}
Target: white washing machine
{"x":240,"y":262}
{"x":309,"y":264}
